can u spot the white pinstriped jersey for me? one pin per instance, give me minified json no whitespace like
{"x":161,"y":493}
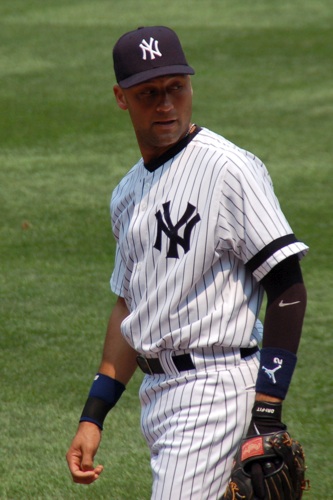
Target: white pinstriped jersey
{"x":196,"y":231}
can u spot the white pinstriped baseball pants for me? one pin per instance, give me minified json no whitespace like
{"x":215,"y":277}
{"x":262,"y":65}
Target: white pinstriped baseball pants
{"x":193,"y":423}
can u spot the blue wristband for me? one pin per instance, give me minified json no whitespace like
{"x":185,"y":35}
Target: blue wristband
{"x":275,"y":371}
{"x":104,"y":394}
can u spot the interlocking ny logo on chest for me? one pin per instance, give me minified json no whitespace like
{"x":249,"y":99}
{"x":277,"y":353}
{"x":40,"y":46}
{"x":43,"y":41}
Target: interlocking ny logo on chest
{"x":165,"y":225}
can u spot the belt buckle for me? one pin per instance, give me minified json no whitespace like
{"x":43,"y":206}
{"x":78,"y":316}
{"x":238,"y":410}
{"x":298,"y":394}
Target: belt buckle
{"x":143,"y":364}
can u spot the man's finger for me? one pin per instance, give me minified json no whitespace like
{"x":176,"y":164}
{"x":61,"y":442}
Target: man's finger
{"x":257,"y":478}
{"x":86,"y":477}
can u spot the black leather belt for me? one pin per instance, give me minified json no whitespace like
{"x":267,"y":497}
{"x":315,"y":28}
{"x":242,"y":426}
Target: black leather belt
{"x":183,"y":362}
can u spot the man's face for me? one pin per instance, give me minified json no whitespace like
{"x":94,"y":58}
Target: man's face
{"x":160,"y":110}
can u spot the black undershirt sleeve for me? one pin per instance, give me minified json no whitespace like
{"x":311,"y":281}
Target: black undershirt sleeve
{"x":286,"y":304}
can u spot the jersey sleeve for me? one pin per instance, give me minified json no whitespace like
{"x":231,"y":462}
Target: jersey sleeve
{"x":120,"y":214}
{"x":251,"y":223}
{"x":117,"y":276}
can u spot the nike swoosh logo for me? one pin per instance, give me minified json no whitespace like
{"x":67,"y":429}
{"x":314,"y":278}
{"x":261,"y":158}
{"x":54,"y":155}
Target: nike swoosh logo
{"x":285,"y":304}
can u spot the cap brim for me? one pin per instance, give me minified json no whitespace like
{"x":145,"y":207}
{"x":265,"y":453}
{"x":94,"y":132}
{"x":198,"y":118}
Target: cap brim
{"x":155,"y":73}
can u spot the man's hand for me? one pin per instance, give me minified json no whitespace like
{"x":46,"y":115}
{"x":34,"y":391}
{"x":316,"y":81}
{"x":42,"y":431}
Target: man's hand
{"x":80,"y":456}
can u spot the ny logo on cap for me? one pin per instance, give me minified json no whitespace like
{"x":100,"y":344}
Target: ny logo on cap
{"x":151,"y":48}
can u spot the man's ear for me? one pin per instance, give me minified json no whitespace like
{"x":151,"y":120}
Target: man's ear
{"x":120,"y":97}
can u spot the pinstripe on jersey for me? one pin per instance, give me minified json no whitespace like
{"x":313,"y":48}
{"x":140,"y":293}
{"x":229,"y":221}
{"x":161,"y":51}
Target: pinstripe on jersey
{"x":209,"y":294}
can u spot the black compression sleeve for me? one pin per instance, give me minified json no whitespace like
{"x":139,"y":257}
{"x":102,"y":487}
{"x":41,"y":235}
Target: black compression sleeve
{"x":282,"y":276}
{"x":286,"y":303}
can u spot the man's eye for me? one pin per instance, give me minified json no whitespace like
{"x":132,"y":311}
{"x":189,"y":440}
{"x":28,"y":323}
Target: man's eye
{"x":147,"y":92}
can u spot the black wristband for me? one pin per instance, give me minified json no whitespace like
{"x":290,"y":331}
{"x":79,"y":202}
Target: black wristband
{"x":104,"y":394}
{"x":95,"y":411}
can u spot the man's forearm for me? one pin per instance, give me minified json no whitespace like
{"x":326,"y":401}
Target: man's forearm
{"x":119,"y":358}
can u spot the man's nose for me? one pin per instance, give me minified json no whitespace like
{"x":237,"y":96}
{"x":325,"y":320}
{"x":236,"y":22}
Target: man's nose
{"x":165,"y":102}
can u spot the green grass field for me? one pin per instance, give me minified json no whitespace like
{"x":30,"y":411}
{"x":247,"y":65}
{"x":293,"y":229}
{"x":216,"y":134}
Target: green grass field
{"x":264,"y":80}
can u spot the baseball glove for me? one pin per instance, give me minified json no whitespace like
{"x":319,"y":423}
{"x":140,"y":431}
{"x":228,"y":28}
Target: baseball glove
{"x":268,"y":467}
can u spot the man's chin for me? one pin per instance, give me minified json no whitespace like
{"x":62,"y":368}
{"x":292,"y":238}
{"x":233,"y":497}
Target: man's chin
{"x":168,"y":135}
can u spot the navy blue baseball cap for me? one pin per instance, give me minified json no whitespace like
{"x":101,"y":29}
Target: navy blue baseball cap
{"x":147,"y":53}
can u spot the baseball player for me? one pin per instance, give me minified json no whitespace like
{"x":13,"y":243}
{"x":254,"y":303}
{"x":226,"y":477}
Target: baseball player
{"x":200,"y":237}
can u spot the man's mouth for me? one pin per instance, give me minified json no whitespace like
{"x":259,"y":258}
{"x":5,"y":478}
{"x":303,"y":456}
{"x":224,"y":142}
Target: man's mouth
{"x":165,"y":123}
